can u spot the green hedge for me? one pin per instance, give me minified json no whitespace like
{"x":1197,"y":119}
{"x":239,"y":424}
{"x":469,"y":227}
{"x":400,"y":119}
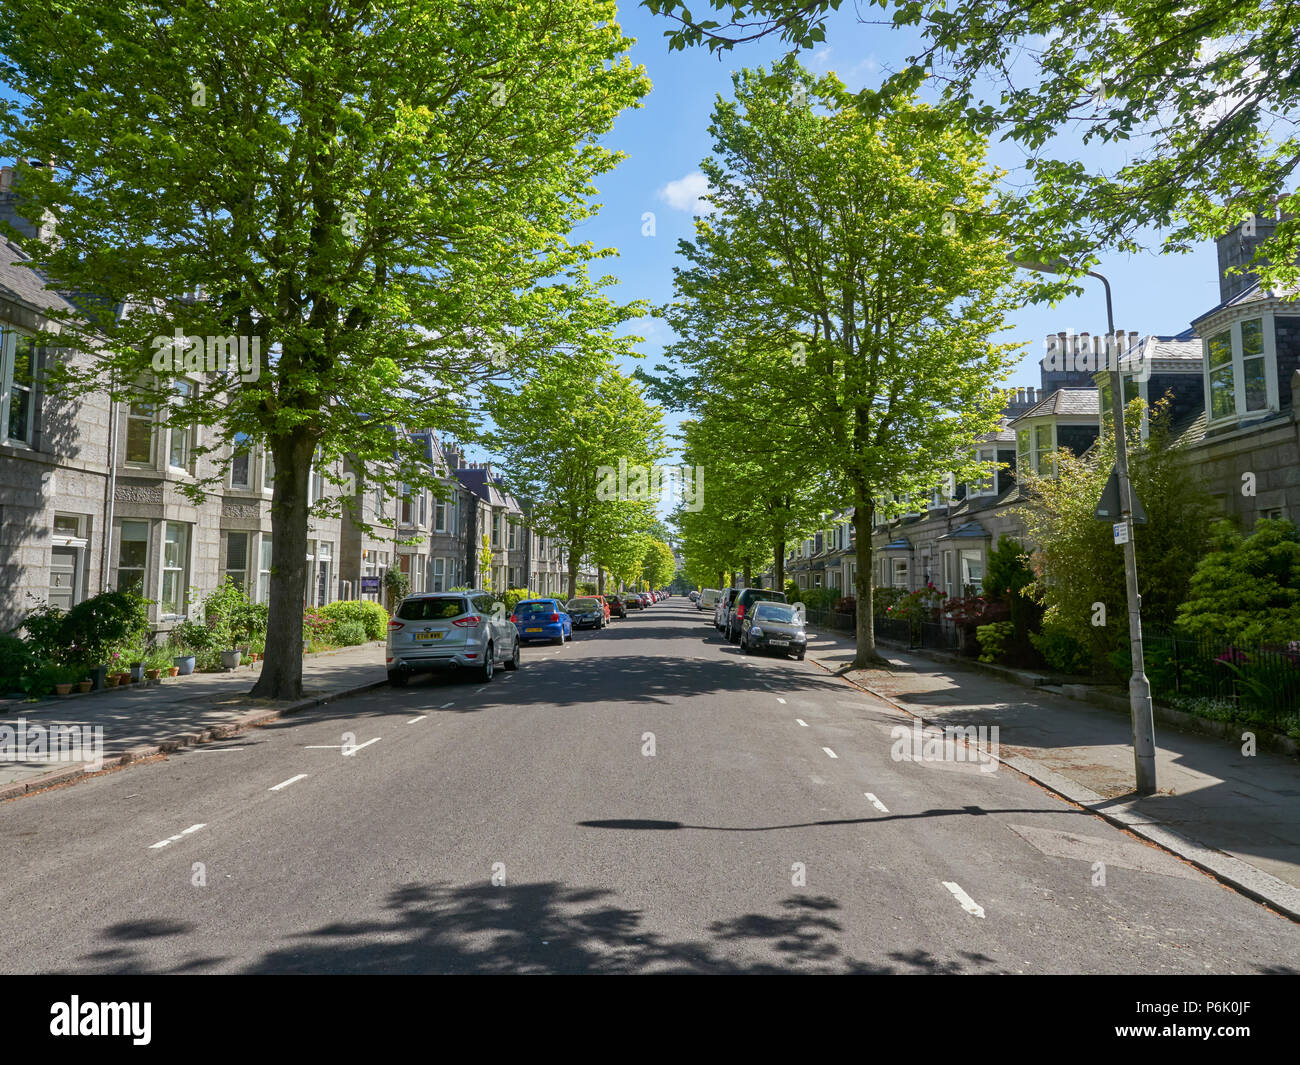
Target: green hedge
{"x":372,"y":617}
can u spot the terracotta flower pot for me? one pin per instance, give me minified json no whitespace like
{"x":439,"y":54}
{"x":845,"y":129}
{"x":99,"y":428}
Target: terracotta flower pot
{"x":85,"y":685}
{"x":153,"y":674}
{"x":173,"y":670}
{"x":63,"y":689}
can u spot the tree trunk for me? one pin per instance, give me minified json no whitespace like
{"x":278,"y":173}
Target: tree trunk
{"x":281,"y":676}
{"x":866,"y":656}
{"x":746,"y":576}
{"x":600,"y":580}
{"x":778,"y":568}
{"x":573,"y":575}
{"x":721,"y":578}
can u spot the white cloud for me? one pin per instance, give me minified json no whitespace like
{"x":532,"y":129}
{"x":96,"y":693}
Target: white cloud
{"x":685,"y":194}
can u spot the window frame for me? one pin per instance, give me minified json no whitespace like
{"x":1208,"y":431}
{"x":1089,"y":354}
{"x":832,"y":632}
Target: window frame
{"x":1234,"y":367}
{"x":9,"y":338}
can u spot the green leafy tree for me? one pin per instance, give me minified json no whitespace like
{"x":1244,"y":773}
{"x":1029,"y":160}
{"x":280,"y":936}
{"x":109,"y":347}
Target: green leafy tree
{"x":867,"y":247}
{"x":1246,"y":591}
{"x":1201,"y":96}
{"x":1076,"y":561}
{"x":374,"y":194}
{"x":659,"y":565}
{"x":561,"y":432}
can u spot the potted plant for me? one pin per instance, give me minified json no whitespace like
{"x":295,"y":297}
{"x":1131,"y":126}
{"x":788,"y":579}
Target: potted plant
{"x":85,"y":685}
{"x":230,"y":659}
{"x":192,"y":639}
{"x":64,"y":678}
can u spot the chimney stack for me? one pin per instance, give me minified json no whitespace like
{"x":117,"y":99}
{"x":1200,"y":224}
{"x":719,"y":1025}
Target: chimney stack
{"x":1030,"y":395}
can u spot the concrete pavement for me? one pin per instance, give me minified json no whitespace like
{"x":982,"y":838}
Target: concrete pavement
{"x":1234,"y":814}
{"x":644,"y":799}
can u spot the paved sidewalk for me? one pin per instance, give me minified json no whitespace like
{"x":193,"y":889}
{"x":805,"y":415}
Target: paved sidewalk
{"x":144,"y":719}
{"x":1234,"y":815}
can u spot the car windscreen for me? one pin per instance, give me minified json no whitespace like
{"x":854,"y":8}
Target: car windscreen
{"x":432,"y":609}
{"x":585,"y":606}
{"x":535,"y":608}
{"x":779,"y":612}
{"x":771,"y":597}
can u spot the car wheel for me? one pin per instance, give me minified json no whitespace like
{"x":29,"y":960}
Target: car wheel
{"x":799,"y":656}
{"x":569,"y":637}
{"x":397,"y":678}
{"x":513,"y":664}
{"x":489,"y":664}
{"x":558,"y":639}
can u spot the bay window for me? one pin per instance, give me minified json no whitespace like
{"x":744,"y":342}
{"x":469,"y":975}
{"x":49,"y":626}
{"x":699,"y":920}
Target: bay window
{"x":1238,"y":364}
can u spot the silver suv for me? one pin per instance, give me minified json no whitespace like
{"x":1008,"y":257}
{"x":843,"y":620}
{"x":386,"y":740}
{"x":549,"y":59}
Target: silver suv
{"x":450,"y":630}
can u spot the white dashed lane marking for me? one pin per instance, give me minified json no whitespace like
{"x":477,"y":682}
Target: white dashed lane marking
{"x":830,"y":752}
{"x":802,"y":722}
{"x":875,"y":802}
{"x":348,"y":752}
{"x":286,"y":783}
{"x":967,"y":903}
{"x":172,"y":839}
{"x":416,"y":720}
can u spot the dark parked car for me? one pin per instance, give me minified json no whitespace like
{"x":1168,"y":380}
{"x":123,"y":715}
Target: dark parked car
{"x":633,"y":601}
{"x":587,"y":612}
{"x":770,"y":626}
{"x":616,"y":607}
{"x":743,"y":603}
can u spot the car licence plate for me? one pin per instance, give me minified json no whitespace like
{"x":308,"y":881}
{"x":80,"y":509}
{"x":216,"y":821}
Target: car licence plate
{"x":532,"y":630}
{"x":428,"y":636}
{"x":779,"y":643}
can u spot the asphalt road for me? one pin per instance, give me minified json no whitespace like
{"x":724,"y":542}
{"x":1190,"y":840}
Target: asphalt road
{"x":524,"y":826}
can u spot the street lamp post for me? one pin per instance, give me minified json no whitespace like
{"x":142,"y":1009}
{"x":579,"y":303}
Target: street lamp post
{"x":1139,"y":688}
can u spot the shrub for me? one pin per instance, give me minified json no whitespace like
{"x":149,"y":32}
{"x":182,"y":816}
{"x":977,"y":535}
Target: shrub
{"x":316,"y":626}
{"x":372,"y":617}
{"x":820,"y":598}
{"x":397,"y":583}
{"x":1060,"y":650}
{"x":847,"y":604}
{"x":18,"y":661}
{"x":884,"y":598}
{"x":194,"y":638}
{"x":346,"y":633}
{"x":792,"y":592}
{"x":1246,"y":590}
{"x":45,"y":633}
{"x":97,"y":626}
{"x":584,"y":588}
{"x":994,"y":640}
{"x":514,"y":596}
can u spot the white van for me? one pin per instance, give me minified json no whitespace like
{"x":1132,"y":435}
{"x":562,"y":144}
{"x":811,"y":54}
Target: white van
{"x":708,"y":599}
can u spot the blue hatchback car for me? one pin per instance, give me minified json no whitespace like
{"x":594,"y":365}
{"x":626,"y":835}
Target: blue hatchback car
{"x":542,"y":619}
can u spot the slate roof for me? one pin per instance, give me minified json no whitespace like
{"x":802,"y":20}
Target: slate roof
{"x":24,"y":285}
{"x":1256,"y":293}
{"x":1065,"y":402}
{"x":971,"y":530}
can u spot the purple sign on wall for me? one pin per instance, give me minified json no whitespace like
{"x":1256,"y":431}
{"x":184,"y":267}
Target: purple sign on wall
{"x":369,"y":585}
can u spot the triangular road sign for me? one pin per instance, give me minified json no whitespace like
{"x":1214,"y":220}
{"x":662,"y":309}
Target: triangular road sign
{"x":1110,"y":510}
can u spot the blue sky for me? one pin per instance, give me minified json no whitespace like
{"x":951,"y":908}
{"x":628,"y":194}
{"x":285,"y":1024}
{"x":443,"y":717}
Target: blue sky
{"x":666,"y":139}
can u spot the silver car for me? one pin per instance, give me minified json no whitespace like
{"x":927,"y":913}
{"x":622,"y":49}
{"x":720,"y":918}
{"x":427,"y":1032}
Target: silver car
{"x":450,"y":630}
{"x":776,"y":627}
{"x":726,"y":598}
